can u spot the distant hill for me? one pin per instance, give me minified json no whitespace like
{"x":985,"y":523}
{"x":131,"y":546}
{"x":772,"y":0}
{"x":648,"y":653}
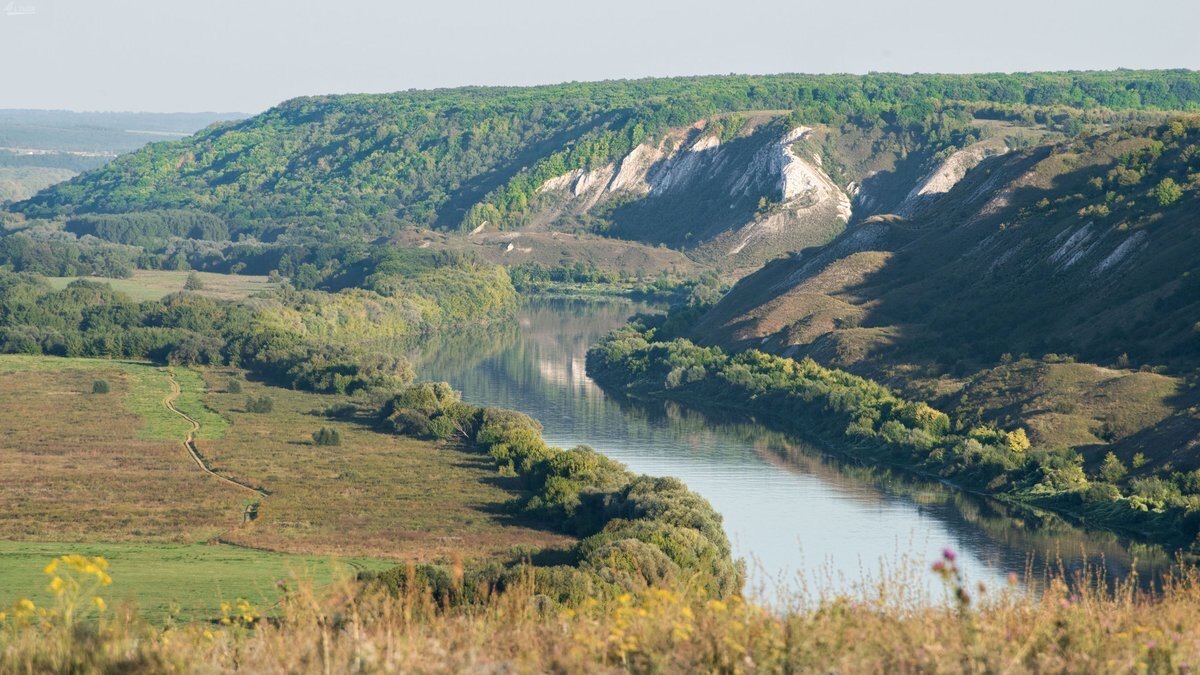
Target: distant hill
{"x":733,"y":169}
{"x":39,"y":148}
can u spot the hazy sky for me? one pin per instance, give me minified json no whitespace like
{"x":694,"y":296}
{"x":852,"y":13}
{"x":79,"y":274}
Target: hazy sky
{"x":246,"y":55}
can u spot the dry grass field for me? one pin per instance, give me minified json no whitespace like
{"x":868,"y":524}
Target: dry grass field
{"x":375,"y":494}
{"x":78,"y":466}
{"x":342,"y":629}
{"x":156,"y":284}
{"x":107,"y":474}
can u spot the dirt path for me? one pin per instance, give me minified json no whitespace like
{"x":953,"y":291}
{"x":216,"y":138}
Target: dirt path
{"x":189,"y":443}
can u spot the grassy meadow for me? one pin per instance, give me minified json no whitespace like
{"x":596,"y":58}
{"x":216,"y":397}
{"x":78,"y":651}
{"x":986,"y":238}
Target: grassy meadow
{"x":156,"y":284}
{"x":81,"y":466}
{"x":186,"y":581}
{"x":338,"y":628}
{"x":374,"y":494}
{"x":107,"y":474}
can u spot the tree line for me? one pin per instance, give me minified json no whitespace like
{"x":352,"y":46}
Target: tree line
{"x":455,"y":158}
{"x":856,"y":415}
{"x":314,"y":340}
{"x":635,"y":532}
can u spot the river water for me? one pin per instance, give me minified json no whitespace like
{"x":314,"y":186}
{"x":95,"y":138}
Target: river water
{"x":802,"y":518}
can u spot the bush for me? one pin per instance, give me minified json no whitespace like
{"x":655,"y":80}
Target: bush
{"x":640,"y":532}
{"x":260,"y":404}
{"x":100,"y":387}
{"x":193,"y":283}
{"x":234,"y":387}
{"x":1112,"y":470}
{"x":327,"y":436}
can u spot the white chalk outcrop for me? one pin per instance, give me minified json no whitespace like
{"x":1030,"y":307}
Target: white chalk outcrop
{"x":948,"y":174}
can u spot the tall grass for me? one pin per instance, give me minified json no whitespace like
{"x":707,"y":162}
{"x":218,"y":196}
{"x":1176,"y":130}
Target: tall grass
{"x":1072,"y":626}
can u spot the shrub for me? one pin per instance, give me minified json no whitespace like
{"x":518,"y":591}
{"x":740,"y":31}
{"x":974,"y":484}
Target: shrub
{"x":327,"y":436}
{"x":193,"y":282}
{"x":1167,"y":192}
{"x":100,"y":387}
{"x":233,"y":387}
{"x":441,"y":427}
{"x":260,"y":404}
{"x":1112,"y":470}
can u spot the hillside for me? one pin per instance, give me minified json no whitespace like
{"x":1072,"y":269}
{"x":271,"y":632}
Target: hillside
{"x":39,"y":148}
{"x":1077,"y":250}
{"x":733,"y":169}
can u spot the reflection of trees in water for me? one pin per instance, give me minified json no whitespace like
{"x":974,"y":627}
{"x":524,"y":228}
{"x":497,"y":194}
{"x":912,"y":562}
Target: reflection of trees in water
{"x":1009,"y":536}
{"x":461,"y":349}
{"x":536,"y":365}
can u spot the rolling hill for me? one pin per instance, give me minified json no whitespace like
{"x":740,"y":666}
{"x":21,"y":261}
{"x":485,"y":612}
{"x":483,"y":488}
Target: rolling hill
{"x":981,"y":295}
{"x":733,"y":170}
{"x":39,"y":148}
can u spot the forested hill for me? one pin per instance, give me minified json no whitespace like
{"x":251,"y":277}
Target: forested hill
{"x":39,"y":148}
{"x":460,"y":158}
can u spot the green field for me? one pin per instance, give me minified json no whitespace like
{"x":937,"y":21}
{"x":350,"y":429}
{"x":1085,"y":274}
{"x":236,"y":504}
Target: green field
{"x":107,"y":474}
{"x":191,"y":579}
{"x":156,"y":284}
{"x":147,"y":386}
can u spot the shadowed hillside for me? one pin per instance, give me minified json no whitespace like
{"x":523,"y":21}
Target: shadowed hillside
{"x":1082,"y":249}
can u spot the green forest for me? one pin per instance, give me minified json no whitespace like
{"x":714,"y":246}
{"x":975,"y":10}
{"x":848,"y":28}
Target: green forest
{"x":317,"y":340}
{"x":368,"y":164}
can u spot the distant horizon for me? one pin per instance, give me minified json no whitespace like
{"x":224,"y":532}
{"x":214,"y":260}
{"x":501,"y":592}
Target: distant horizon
{"x":151,"y":56}
{"x":248,"y":113}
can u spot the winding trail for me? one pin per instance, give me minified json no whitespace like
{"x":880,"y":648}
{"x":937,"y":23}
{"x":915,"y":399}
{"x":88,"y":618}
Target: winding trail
{"x":189,"y":443}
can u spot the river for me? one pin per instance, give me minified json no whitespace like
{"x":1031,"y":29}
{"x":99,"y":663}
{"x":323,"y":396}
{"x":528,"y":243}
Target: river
{"x":803,"y":519}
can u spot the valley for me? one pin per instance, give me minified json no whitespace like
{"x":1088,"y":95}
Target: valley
{"x":774,"y":351}
{"x":377,"y":499}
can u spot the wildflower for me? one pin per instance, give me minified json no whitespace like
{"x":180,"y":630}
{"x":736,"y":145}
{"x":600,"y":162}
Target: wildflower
{"x":717,"y":606}
{"x":99,"y":602}
{"x":949,"y":555}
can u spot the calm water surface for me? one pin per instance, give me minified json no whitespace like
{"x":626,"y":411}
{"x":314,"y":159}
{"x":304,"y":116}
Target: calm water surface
{"x":791,"y":510}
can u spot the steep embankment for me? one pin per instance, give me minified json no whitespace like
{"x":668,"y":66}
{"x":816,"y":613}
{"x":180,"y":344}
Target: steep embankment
{"x":1082,"y":249}
{"x":728,"y":196}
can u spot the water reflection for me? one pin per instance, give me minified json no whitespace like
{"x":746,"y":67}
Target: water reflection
{"x":788,"y":507}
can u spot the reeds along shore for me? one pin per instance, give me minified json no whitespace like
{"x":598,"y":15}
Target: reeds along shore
{"x":1082,"y":625}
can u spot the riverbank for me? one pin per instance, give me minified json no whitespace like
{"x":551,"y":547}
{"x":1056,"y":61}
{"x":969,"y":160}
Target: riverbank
{"x":867,"y":421}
